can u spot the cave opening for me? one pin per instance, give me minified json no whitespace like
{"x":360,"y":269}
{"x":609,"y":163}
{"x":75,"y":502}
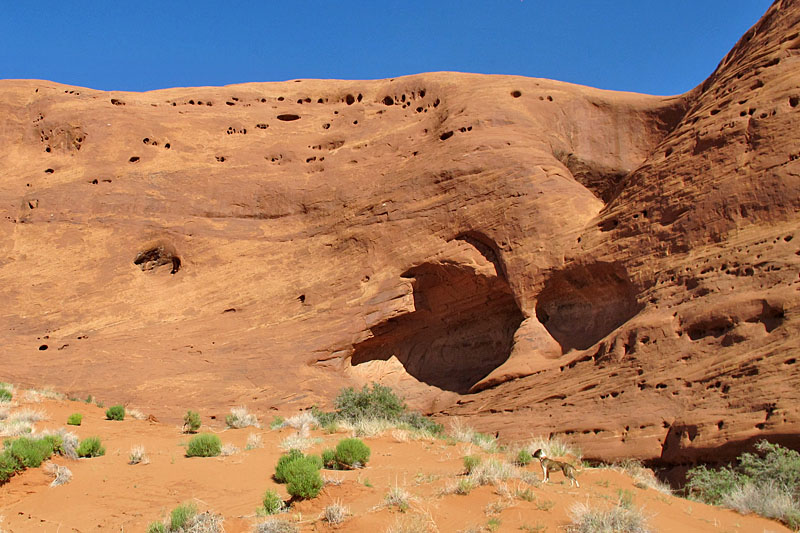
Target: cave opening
{"x":582,"y":304}
{"x":462,"y":327}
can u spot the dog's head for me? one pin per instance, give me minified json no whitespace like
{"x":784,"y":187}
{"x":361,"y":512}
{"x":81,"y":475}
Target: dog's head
{"x":539,"y":454}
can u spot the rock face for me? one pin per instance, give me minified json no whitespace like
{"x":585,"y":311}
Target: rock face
{"x":534,"y":256}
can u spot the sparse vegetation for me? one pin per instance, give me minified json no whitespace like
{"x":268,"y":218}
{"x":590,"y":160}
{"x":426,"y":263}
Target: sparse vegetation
{"x":240,"y":418}
{"x":622,"y":518}
{"x":204,"y":445}
{"x":191,"y":422}
{"x":180,"y":516}
{"x":553,"y":447}
{"x":523,"y":458}
{"x":335,"y":513}
{"x":75,"y":419}
{"x":277,"y":422}
{"x":272,"y":503}
{"x":253,"y":441}
{"x":61,"y":474}
{"x":470,"y":462}
{"x":397,"y":497}
{"x":367,"y":408}
{"x":276,"y":525}
{"x":5,"y":394}
{"x":90,"y":447}
{"x":115,"y":412}
{"x":464,"y":433}
{"x":186,"y":519}
{"x":766,"y":482}
{"x":138,"y":455}
{"x":26,"y":452}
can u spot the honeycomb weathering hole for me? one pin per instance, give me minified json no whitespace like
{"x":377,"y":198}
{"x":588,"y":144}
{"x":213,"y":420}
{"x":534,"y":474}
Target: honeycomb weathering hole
{"x":462,"y":328}
{"x":156,"y":256}
{"x":582,"y":304}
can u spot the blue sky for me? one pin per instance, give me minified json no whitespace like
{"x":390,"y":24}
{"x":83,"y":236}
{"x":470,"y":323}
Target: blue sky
{"x":664,"y":47}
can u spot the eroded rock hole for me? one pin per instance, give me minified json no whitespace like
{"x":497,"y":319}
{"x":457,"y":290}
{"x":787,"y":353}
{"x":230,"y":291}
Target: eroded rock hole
{"x":516,"y":94}
{"x":461,"y":329}
{"x":157,"y":256}
{"x":582,"y":304}
{"x":388,"y":100}
{"x":350,"y":99}
{"x":288,"y":117}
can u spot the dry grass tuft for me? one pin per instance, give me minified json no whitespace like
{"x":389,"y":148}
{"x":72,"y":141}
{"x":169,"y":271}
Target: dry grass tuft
{"x":228,"y":450}
{"x":240,"y":418}
{"x":275,"y":525}
{"x":138,"y":456}
{"x":61,"y":474}
{"x":335,"y":513}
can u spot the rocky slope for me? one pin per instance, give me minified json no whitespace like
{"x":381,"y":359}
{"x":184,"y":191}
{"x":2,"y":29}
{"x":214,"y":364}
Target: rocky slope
{"x":536,"y":256}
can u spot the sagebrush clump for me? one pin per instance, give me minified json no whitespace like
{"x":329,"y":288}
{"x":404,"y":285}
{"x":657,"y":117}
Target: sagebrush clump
{"x":352,"y":453}
{"x":766,"y":483}
{"x":375,"y":403}
{"x":115,"y":412}
{"x":74,"y":419}
{"x":300,"y":473}
{"x":191,"y":422}
{"x":90,"y":447}
{"x":204,"y":445}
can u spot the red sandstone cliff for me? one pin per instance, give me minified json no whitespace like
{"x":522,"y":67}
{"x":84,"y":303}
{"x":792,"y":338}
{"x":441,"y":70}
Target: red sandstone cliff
{"x":536,"y":256}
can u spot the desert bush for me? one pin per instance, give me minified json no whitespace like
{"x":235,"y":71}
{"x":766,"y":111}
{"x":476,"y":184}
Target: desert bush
{"x":157,"y":527}
{"x":352,"y":453}
{"x":204,"y":445}
{"x":68,"y":441}
{"x":75,"y":419}
{"x":5,"y":395}
{"x":643,"y":477}
{"x":191,"y":422}
{"x":622,"y":518}
{"x":180,"y":516}
{"x":240,"y":418}
{"x":277,"y":422}
{"x":90,"y":447}
{"x":413,"y":523}
{"x":335,"y":513}
{"x":273,"y":504}
{"x":464,"y":433}
{"x":297,"y":441}
{"x":303,"y":479}
{"x":492,"y":472}
{"x":766,"y":499}
{"x":283,"y":462}
{"x":370,"y":405}
{"x":470,"y":462}
{"x":275,"y":525}
{"x":115,"y":412}
{"x":523,"y":458}
{"x":329,"y":459}
{"x":30,"y":452}
{"x":766,"y":482}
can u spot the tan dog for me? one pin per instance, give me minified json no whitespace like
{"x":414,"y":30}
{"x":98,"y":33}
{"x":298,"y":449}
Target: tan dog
{"x":550,"y":464}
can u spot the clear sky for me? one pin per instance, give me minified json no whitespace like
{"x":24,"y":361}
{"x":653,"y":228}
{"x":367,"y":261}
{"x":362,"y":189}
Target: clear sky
{"x":656,"y":47}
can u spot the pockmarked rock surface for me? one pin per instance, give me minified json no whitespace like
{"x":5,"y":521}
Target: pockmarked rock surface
{"x":533,"y":256}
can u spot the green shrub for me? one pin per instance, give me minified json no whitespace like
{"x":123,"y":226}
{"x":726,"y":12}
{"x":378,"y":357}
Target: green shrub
{"x":115,"y":412}
{"x":283,"y":462}
{"x":303,"y":479}
{"x":204,"y":445}
{"x":711,"y":486}
{"x":523,"y":458}
{"x":766,"y":482}
{"x":30,"y":453}
{"x":75,"y":419}
{"x":8,"y":467}
{"x":157,"y":527}
{"x":181,"y":515}
{"x":470,"y":462}
{"x":191,"y":422}
{"x":90,"y":447}
{"x":277,"y":422}
{"x":5,"y":395}
{"x":380,"y":402}
{"x":272,"y":502}
{"x":329,"y":459}
{"x":352,"y":452}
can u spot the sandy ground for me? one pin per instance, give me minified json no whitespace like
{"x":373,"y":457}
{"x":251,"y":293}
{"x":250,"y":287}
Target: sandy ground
{"x":109,"y":494}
